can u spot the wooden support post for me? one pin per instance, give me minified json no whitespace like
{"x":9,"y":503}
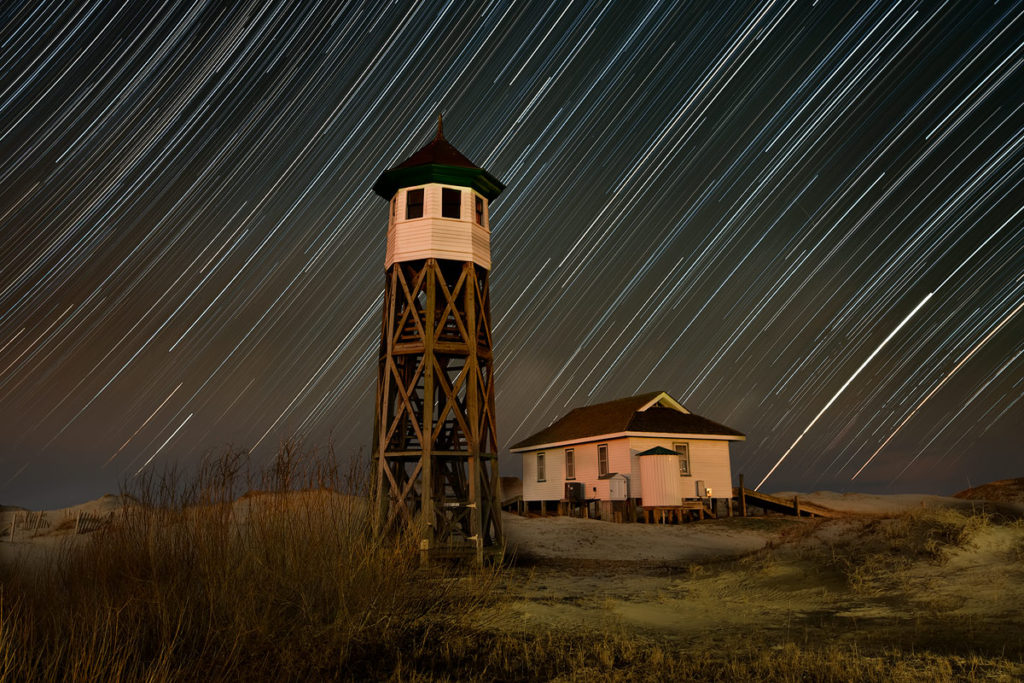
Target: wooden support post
{"x":474,"y":405}
{"x":743,"y":498}
{"x":796,"y":505}
{"x":427,"y":418}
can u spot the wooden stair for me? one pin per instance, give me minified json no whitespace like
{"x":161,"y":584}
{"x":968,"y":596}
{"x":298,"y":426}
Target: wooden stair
{"x":787,"y":506}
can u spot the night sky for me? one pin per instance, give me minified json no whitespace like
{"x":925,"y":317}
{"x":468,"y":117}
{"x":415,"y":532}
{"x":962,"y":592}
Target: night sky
{"x":802,"y":219}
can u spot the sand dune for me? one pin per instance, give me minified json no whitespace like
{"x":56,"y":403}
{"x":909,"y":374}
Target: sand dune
{"x":38,"y":534}
{"x":1005,"y":490}
{"x":871,"y":503}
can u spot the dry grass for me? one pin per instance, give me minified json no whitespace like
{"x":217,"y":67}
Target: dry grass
{"x":230,"y":575}
{"x":604,"y":656}
{"x":883,"y":549}
{"x":189,"y":584}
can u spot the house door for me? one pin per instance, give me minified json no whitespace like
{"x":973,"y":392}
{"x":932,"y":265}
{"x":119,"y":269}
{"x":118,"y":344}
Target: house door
{"x":702,"y":491}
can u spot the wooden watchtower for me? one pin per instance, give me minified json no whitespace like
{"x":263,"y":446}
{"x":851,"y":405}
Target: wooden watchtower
{"x":434,"y":445}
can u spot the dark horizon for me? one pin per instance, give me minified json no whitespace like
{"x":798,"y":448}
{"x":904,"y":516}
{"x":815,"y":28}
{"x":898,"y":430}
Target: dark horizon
{"x":804,"y":222}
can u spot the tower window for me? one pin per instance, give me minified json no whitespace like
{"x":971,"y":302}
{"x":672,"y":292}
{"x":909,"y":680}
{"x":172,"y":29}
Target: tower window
{"x":451,"y":203}
{"x":414,"y":203}
{"x":479,"y":211}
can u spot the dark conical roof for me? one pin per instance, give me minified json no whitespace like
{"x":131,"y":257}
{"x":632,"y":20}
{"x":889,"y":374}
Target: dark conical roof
{"x":438,"y":162}
{"x":658,"y":450}
{"x":438,"y":151}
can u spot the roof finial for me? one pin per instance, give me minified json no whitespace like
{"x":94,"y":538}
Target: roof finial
{"x":440,"y":127}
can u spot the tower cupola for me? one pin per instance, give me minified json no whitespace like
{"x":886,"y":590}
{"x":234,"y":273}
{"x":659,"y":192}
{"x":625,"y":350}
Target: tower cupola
{"x":438,"y":205}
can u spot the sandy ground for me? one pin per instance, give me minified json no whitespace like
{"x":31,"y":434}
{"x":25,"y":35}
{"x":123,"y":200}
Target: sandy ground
{"x":864,"y":578}
{"x":566,"y":538}
{"x":571,"y":538}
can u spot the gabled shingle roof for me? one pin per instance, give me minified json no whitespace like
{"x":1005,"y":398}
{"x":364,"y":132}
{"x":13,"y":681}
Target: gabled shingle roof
{"x":625,"y":415}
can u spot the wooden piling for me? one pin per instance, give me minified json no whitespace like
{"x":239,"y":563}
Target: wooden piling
{"x":743,"y":498}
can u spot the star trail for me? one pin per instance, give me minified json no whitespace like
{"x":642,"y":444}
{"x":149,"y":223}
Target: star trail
{"x":804,"y":220}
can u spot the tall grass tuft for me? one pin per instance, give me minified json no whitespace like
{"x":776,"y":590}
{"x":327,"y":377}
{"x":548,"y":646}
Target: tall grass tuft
{"x":229,"y":574}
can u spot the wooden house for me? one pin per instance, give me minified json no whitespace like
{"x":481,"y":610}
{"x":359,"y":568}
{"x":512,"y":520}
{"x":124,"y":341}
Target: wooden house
{"x":647,"y":450}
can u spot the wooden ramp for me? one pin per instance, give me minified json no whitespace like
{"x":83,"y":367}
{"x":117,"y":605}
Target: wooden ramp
{"x":787,"y":506}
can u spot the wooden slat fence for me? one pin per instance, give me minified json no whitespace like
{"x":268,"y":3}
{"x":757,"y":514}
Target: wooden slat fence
{"x":87,"y":522}
{"x":25,"y":522}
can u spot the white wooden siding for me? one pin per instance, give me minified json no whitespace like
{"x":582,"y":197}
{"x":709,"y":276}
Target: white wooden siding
{"x":660,"y":473}
{"x":709,"y":463}
{"x":433,"y":236}
{"x":553,"y":488}
{"x":586,"y":470}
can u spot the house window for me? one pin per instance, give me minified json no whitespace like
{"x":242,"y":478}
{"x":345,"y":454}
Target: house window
{"x":394,"y":206}
{"x":602,"y":460}
{"x":480,"y":210}
{"x":451,"y":203}
{"x":541,"y":476}
{"x":683,"y":449}
{"x":570,"y":463}
{"x":414,"y":203}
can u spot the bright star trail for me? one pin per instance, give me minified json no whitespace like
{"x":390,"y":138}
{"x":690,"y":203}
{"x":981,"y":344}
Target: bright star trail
{"x":738,"y":203}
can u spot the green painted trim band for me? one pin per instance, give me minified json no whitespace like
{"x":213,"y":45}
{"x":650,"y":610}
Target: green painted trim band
{"x":475,"y":178}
